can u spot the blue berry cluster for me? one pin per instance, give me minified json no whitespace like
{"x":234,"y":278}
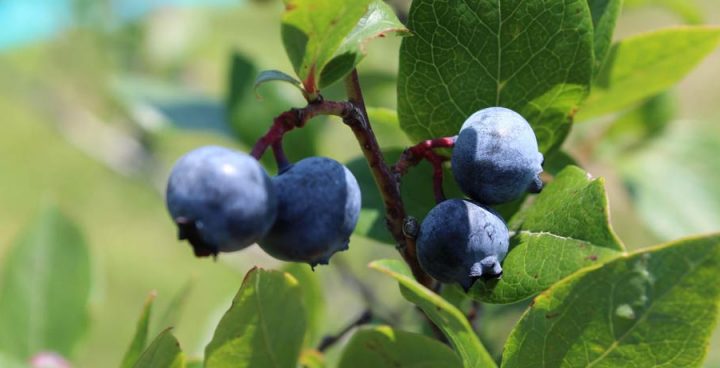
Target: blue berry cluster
{"x":495,"y":160}
{"x":223,"y":201}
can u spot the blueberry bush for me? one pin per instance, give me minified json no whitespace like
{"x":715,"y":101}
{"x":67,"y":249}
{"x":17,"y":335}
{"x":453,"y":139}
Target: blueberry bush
{"x":486,"y":208}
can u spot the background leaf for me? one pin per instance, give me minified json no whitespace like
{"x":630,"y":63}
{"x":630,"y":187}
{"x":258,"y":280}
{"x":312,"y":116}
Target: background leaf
{"x":312,"y":30}
{"x":174,"y":309}
{"x":139,"y":341}
{"x":604,"y":16}
{"x":313,"y":299}
{"x":656,"y":307}
{"x":449,"y":319}
{"x":250,"y":117}
{"x":264,"y":327}
{"x":534,"y":57}
{"x":163,"y":352}
{"x":688,"y":10}
{"x":645,"y":65}
{"x":640,"y":126}
{"x":566,"y":229}
{"x":673,"y":182}
{"x":45,"y":289}
{"x":384,"y":347}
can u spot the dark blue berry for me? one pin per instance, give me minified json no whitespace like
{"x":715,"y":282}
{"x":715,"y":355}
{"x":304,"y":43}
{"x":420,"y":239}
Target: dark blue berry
{"x":496,"y":158}
{"x":318,"y":207}
{"x":461,"y":241}
{"x":221,"y":200}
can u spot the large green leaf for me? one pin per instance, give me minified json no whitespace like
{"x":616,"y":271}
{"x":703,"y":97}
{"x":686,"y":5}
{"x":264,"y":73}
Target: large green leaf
{"x":604,"y":15}
{"x":313,"y":30}
{"x":45,"y":289}
{"x":163,"y":352}
{"x":384,"y":347}
{"x":264,"y":327}
{"x":653,"y":308}
{"x":645,"y":65}
{"x":449,"y":319}
{"x":566,"y":229}
{"x":139,"y":341}
{"x":534,"y":57}
{"x":416,"y":188}
{"x":312,"y":293}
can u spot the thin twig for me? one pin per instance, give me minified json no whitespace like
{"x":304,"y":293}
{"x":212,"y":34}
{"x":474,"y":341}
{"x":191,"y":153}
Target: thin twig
{"x":329,"y":341}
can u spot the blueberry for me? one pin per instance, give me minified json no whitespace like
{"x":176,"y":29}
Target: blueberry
{"x":496,"y":158}
{"x":221,"y":200}
{"x":461,"y":241}
{"x":318,"y":207}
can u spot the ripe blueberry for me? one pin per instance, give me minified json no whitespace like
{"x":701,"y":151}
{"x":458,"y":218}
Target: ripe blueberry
{"x":318,"y":207}
{"x":496,"y":158}
{"x":221,"y":200}
{"x":460,"y":241}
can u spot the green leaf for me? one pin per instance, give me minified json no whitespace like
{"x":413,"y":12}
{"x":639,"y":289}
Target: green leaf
{"x":566,"y":229}
{"x":251,"y":118}
{"x":163,"y":352}
{"x":416,"y":188}
{"x":448,"y":318}
{"x":384,"y":347}
{"x":644,"y":65}
{"x":656,"y":307}
{"x":312,"y":295}
{"x":557,"y":161}
{"x":45,"y":289}
{"x":688,"y":10}
{"x":386,"y":126}
{"x":174,"y":309}
{"x":378,"y":21}
{"x":139,"y":341}
{"x":638,"y":126}
{"x":312,"y":359}
{"x":264,"y":327}
{"x":674,"y":180}
{"x":604,"y":16}
{"x":277,"y":76}
{"x":313,"y":30}
{"x":534,"y":57}
{"x":10,"y":362}
{"x":240,"y":80}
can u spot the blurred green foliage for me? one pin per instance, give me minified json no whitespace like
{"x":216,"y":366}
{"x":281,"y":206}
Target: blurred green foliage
{"x":93,"y":117}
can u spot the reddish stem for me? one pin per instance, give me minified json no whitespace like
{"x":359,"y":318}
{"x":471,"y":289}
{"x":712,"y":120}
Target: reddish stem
{"x":437,"y":163}
{"x":413,"y":155}
{"x":291,"y":119}
{"x":279,"y":153}
{"x":385,"y":178}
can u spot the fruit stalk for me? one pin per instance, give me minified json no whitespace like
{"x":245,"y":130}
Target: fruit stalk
{"x":413,"y":155}
{"x":385,"y":179}
{"x":296,"y":118}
